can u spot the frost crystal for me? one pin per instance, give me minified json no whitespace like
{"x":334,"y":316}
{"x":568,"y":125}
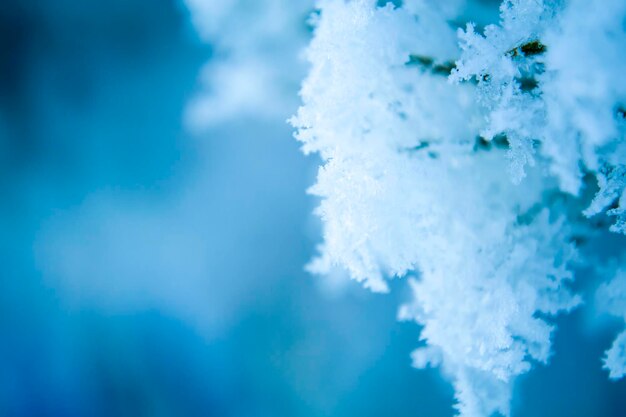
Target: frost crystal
{"x":612,"y":296}
{"x":417,"y":130}
{"x":549,"y":77}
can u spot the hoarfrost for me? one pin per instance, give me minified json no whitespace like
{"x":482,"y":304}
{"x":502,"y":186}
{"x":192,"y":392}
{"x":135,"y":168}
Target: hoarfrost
{"x":442,"y":158}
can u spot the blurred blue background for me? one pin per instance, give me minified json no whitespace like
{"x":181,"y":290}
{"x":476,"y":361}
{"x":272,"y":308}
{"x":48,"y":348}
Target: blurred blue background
{"x":146,"y":271}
